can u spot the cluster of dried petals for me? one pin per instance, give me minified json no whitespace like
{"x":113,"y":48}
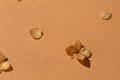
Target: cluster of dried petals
{"x":78,"y":51}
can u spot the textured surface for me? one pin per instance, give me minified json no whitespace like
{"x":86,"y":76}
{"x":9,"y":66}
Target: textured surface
{"x":63,"y":21}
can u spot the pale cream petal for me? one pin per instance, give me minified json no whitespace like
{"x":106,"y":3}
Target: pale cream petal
{"x":5,"y":66}
{"x":106,"y":15}
{"x":36,"y":33}
{"x":79,"y":56}
{"x":86,"y":53}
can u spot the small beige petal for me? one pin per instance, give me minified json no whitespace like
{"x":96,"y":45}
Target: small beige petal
{"x":86,"y":53}
{"x":4,"y":65}
{"x":2,"y":57}
{"x":106,"y":15}
{"x":79,"y":56}
{"x":82,"y":49}
{"x":78,"y":45}
{"x":71,"y":50}
{"x":36,"y":33}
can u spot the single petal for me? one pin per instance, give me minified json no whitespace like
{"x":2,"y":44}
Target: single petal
{"x":36,"y":33}
{"x":79,"y":56}
{"x":86,"y":53}
{"x":78,"y":45}
{"x":71,"y":50}
{"x":2,"y":57}
{"x":4,"y":66}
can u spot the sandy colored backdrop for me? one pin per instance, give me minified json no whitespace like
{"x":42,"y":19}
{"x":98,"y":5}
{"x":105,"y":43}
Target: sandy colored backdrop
{"x":63,"y":21}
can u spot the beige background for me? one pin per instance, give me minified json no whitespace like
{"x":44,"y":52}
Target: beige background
{"x":63,"y":21}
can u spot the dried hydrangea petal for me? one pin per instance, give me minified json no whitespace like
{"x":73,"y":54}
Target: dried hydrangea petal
{"x":79,"y":56}
{"x":71,"y":50}
{"x":78,"y":45}
{"x":36,"y":33}
{"x":106,"y":15}
{"x":86,"y":53}
{"x":2,"y":57}
{"x":5,"y":66}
